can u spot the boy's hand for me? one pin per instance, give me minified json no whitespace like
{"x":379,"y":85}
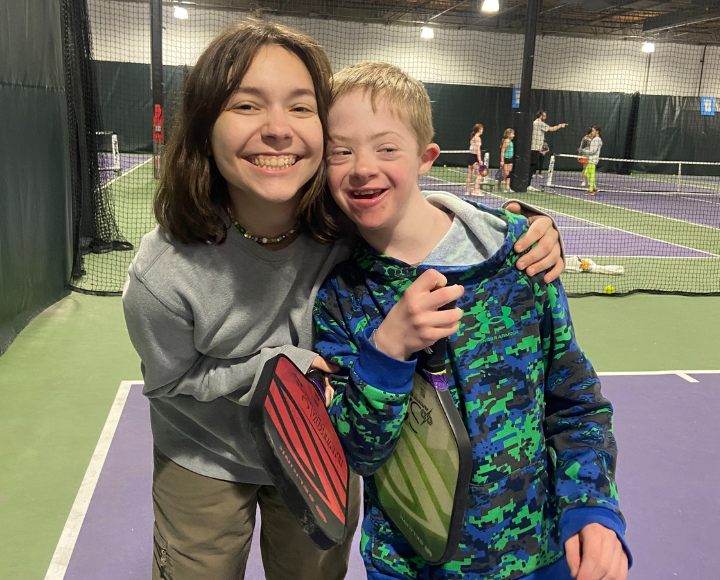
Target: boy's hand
{"x":596,"y":553}
{"x":415,"y":322}
{"x":546,"y":254}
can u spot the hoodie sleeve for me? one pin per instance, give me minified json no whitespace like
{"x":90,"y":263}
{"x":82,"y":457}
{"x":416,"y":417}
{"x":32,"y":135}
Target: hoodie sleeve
{"x":372,"y":388}
{"x":578,"y":423}
{"x":171,"y":365}
{"x":530,"y":210}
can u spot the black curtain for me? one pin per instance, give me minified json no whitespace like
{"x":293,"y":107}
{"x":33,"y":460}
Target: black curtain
{"x":35,"y":191}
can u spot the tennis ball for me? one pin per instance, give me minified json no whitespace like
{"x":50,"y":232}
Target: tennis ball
{"x":444,"y":165}
{"x":609,"y":289}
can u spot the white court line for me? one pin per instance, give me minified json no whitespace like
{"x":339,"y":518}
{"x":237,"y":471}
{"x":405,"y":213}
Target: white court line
{"x":66,"y":543}
{"x":682,"y":374}
{"x":109,"y":183}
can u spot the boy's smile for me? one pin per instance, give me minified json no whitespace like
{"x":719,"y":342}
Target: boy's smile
{"x":373,"y":165}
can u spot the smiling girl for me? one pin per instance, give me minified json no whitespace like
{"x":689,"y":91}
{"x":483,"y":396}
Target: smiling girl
{"x":227,"y":281}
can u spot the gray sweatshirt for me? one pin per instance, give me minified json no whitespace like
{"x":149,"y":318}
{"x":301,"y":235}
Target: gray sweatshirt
{"x":204,"y":319}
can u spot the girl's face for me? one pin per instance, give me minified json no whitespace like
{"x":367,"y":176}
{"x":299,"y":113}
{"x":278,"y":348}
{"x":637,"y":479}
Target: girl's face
{"x":480,"y":132}
{"x":268,"y":141}
{"x":593,"y":133}
{"x":511,"y":136}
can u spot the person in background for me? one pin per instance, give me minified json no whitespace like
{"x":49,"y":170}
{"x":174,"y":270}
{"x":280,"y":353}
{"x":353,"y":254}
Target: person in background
{"x":592,"y":152}
{"x":474,"y":160}
{"x":507,"y":151}
{"x":540,"y":127}
{"x":584,"y":142}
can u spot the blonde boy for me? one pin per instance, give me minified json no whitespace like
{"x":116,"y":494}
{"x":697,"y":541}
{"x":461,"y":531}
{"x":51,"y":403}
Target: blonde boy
{"x":543,"y":449}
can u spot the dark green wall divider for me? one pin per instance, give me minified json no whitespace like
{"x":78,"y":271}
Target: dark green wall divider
{"x":672,"y":128}
{"x":667,"y":128}
{"x":126,"y":101}
{"x":35,"y":195}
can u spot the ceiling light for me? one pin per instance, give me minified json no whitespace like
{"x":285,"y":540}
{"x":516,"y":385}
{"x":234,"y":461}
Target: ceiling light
{"x":180,"y":13}
{"x":648,"y":47}
{"x":490,"y":6}
{"x":427,"y":33}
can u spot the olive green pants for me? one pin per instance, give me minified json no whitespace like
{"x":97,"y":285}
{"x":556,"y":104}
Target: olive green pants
{"x":204,"y":527}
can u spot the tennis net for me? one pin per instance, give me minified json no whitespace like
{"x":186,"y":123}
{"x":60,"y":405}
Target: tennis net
{"x":643,"y":230}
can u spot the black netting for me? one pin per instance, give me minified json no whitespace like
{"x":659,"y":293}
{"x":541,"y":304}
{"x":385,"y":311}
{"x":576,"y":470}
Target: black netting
{"x":96,"y":230}
{"x":659,"y":221}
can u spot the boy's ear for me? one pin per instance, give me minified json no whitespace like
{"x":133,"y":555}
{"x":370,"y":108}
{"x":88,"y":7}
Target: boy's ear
{"x":428,"y":158}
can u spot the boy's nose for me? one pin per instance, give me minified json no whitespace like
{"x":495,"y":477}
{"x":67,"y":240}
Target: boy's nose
{"x":365,"y":165}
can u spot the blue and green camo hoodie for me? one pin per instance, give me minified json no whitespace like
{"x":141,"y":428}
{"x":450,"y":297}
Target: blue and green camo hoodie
{"x":544,"y":453}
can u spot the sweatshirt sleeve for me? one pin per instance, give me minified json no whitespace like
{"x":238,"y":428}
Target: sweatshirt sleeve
{"x":171,"y":365}
{"x":594,"y":147}
{"x":372,"y":388}
{"x":532,"y":210}
{"x":578,"y":424}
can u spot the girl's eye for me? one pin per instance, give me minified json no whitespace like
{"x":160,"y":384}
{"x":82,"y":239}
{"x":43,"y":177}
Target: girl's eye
{"x":243,"y":107}
{"x":302,"y":109}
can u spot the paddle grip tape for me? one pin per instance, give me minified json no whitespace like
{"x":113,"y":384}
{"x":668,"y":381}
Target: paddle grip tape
{"x":432,"y":359}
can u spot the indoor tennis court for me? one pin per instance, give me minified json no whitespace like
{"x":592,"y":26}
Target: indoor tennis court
{"x":91,"y":101}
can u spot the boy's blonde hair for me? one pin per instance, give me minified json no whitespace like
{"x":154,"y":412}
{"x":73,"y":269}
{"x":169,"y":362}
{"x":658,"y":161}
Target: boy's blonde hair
{"x":404,"y":95}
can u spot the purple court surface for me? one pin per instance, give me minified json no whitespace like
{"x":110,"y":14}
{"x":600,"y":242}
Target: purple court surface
{"x":668,"y":473}
{"x":590,"y":239}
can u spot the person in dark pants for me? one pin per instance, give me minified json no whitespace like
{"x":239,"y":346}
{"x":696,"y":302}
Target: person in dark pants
{"x":540,"y":127}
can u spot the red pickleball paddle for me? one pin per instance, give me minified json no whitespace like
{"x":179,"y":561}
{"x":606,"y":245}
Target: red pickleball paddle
{"x":300,"y":450}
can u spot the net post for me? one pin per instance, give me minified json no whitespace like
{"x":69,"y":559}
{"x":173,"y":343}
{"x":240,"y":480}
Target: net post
{"x":679,"y":176}
{"x":551,"y":168}
{"x":486,"y":159}
{"x":156,"y":67}
{"x":115,"y":152}
{"x":520,"y":179}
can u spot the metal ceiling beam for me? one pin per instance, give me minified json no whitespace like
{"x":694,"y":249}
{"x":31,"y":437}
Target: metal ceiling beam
{"x":677,"y":19}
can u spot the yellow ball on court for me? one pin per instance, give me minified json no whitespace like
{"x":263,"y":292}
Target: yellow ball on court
{"x":444,"y":165}
{"x":609,"y":289}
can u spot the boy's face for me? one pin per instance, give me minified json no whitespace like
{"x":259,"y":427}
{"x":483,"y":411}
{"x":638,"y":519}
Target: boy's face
{"x":374,"y":163}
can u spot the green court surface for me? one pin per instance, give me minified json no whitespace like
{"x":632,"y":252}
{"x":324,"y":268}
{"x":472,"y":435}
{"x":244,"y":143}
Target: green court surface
{"x":61,"y":374}
{"x":665,"y":242}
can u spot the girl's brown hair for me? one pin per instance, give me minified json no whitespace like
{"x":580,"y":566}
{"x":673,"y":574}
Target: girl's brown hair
{"x":476,"y":130}
{"x":192,"y":193}
{"x":506,"y":135}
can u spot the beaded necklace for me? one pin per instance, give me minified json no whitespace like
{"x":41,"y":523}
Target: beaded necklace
{"x":258,"y":239}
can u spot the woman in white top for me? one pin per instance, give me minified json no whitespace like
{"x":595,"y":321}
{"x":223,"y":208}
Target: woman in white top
{"x":592,"y":152}
{"x":474,"y":160}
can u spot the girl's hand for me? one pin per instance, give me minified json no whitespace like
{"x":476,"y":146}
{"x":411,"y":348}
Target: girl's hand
{"x":546,"y":254}
{"x":416,"y":322}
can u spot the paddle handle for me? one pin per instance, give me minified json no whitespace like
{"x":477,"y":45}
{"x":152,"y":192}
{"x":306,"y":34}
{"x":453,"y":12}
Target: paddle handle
{"x":432,"y":358}
{"x":317,"y":378}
